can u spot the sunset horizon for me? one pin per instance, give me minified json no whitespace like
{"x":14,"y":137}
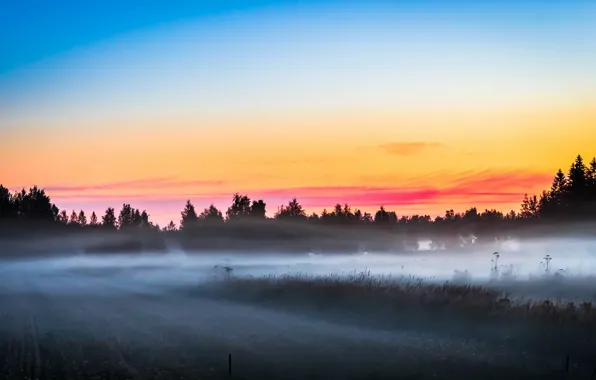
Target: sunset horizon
{"x":419,"y":107}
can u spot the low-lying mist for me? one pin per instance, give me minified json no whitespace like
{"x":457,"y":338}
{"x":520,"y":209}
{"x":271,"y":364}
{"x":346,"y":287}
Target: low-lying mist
{"x":521,"y":268}
{"x":348,"y":315}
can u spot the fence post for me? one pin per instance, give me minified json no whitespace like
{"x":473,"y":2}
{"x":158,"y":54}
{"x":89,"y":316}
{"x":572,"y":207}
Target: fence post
{"x":567,"y":364}
{"x":230,"y":365}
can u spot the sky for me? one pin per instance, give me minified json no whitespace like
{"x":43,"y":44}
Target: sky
{"x":420,"y":106}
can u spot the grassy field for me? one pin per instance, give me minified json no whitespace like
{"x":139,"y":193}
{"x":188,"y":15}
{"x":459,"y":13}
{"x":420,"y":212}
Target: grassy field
{"x":407,"y":295}
{"x":410,"y":303}
{"x":43,"y":336}
{"x":295,"y":326}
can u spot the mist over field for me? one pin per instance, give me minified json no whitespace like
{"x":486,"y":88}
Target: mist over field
{"x":520,"y":262}
{"x":180,"y":313}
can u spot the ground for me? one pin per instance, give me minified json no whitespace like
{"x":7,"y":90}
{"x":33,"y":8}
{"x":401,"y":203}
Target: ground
{"x":125,"y":321}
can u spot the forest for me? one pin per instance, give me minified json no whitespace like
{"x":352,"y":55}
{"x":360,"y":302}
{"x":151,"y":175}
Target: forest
{"x":568,"y":206}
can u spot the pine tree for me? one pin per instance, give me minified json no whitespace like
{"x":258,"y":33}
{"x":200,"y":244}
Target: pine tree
{"x":211,"y":216}
{"x":136,"y":218}
{"x":591,"y":188}
{"x":82,"y":218}
{"x":63,"y":217}
{"x":93,"y":220}
{"x":557,"y":198}
{"x":529,"y":207}
{"x":591,"y":176}
{"x":325,"y":216}
{"x":126,"y":218}
{"x":338,"y":210}
{"x":577,"y":188}
{"x":74,"y":218}
{"x":358,"y":216}
{"x":559,"y":186}
{"x":34,"y":205}
{"x":293,"y":211}
{"x":189,"y":217}
{"x":108,"y":221}
{"x":314,"y":217}
{"x":145,"y":223}
{"x":170,"y":227}
{"x":8,"y":209}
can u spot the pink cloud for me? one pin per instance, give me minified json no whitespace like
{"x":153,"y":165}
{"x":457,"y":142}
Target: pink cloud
{"x":486,"y":187}
{"x":512,"y":179}
{"x":483,"y":187}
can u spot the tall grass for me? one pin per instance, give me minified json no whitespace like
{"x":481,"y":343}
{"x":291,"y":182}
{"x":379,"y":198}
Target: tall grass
{"x":405,"y":295}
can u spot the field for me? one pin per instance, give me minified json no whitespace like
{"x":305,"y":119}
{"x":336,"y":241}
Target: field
{"x":176,"y":316}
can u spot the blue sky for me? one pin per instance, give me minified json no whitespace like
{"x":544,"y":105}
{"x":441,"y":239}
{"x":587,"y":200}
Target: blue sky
{"x":265,"y":83}
{"x":234,"y":54}
{"x":104,"y":59}
{"x":31,"y":30}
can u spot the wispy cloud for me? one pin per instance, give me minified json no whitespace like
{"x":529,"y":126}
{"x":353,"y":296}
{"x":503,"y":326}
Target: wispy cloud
{"x":138,"y":184}
{"x":486,"y":187}
{"x":499,"y":180}
{"x":409,"y":148}
{"x":115,"y":199}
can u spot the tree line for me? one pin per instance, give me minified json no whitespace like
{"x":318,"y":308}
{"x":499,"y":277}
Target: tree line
{"x":571,"y":198}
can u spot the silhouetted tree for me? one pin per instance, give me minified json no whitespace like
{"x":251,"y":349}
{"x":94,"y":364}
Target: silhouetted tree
{"x":552,"y":203}
{"x":137,"y":220}
{"x":170,"y":227}
{"x":109,"y":221}
{"x":293,"y":211}
{"x":258,"y":209}
{"x":35,"y":205}
{"x":240,"y":208}
{"x":211,"y":216}
{"x":145,"y":223}
{"x":325,"y":216}
{"x":384,"y":217}
{"x":314,"y":218}
{"x":82,"y":218}
{"x":126,"y":218}
{"x":367,"y":218}
{"x":74,"y":219}
{"x":577,"y":188}
{"x":189,"y":217}
{"x":63,"y":217}
{"x":338,"y":214}
{"x":93,"y":220}
{"x":358,"y":215}
{"x":559,"y":186}
{"x":529,"y":207}
{"x":8,"y":208}
{"x":591,"y":175}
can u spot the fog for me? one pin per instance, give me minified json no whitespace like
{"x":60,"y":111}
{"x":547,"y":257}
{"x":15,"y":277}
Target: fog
{"x":128,"y":301}
{"x":519,"y":263}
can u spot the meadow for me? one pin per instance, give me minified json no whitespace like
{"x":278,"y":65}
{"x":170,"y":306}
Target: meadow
{"x":361,"y":315}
